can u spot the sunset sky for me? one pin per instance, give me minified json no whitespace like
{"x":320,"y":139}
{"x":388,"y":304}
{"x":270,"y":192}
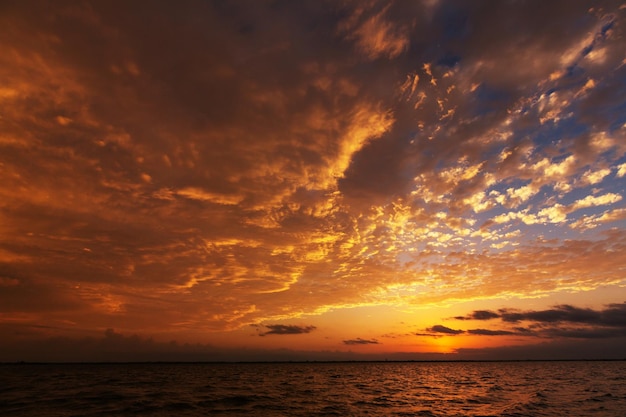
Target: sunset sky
{"x":303,"y":180}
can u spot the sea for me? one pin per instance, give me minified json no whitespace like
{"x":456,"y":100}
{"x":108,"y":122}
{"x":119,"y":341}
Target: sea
{"x":551,"y":388}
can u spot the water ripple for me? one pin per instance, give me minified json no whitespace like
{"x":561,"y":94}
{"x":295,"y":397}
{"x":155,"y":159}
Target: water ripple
{"x":511,"y":389}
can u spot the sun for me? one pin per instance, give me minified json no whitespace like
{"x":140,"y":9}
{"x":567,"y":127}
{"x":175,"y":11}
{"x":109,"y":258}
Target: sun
{"x":442,"y":344}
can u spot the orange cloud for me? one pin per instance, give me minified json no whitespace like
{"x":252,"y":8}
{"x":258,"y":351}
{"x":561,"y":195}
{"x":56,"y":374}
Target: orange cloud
{"x":308,"y":160}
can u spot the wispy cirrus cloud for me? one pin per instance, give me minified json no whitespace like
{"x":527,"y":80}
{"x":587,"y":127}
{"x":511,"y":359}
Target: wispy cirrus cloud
{"x":374,"y":33}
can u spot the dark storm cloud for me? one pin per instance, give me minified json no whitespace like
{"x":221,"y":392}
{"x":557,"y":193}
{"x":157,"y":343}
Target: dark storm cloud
{"x":287,"y":329}
{"x":359,"y":341}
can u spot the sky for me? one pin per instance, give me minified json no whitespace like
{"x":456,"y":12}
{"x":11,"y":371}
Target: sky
{"x":312,"y":180}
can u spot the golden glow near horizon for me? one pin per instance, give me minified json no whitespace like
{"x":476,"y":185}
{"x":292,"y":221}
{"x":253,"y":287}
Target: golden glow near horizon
{"x":369,"y":178}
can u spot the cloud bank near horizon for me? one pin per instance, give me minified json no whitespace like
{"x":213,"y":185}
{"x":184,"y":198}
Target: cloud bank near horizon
{"x":112,"y":346}
{"x":561,"y":321}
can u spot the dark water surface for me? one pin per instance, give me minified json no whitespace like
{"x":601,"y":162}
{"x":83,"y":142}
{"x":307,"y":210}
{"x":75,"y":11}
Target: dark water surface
{"x":316,"y":389}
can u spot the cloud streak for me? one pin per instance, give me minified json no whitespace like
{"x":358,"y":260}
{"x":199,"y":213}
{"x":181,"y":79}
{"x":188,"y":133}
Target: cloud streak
{"x":612,"y":315}
{"x":359,"y":341}
{"x":287,"y":329}
{"x":444,"y":330}
{"x":562,"y":321}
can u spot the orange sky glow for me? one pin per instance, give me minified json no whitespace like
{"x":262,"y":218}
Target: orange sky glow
{"x":312,"y":180}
